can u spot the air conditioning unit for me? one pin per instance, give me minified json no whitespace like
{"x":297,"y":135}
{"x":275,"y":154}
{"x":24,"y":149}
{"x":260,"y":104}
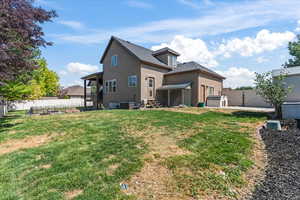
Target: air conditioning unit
{"x":114,"y":105}
{"x":217,"y":101}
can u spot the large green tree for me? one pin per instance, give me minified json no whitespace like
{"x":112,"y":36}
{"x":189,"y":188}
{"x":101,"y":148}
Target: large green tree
{"x":294,"y":50}
{"x":20,"y":36}
{"x":33,"y":85}
{"x":47,"y":79}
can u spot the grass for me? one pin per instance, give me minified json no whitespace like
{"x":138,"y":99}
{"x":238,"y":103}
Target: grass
{"x":92,"y":152}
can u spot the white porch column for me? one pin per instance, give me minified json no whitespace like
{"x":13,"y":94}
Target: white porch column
{"x":169,"y":101}
{"x":182,"y":96}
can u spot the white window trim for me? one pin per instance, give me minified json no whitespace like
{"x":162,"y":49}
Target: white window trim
{"x":135,"y":82}
{"x":109,"y":87}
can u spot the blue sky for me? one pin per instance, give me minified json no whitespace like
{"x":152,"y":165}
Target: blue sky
{"x":233,"y":37}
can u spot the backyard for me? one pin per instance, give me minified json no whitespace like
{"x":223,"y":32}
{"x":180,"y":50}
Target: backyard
{"x":122,"y":154}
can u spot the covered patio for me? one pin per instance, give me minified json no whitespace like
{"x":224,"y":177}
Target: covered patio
{"x":96,"y":82}
{"x":175,"y":94}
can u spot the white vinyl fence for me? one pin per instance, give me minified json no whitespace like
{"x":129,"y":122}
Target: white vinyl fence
{"x":3,"y":110}
{"x":247,"y":98}
{"x":26,"y":105}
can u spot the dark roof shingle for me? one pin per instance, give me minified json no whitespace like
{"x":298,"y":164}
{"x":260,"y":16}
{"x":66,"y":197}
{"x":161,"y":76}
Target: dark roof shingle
{"x":191,"y":66}
{"x":140,"y":52}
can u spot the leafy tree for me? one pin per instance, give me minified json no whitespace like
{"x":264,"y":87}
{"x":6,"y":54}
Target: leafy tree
{"x":33,"y":85}
{"x":20,"y":37}
{"x":273,"y":89}
{"x":294,"y":50}
{"x":245,"y":88}
{"x":48,"y":80}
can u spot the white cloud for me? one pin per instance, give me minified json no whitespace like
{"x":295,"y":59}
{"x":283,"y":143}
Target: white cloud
{"x":237,"y":77}
{"x":261,"y":59}
{"x":190,"y":3}
{"x":62,"y":73}
{"x":80,"y":68}
{"x":190,"y":50}
{"x":196,"y":3}
{"x":138,"y":4}
{"x":298,"y":26}
{"x":76,"y":82}
{"x":264,"y":41}
{"x":222,"y":18}
{"x":72,"y":24}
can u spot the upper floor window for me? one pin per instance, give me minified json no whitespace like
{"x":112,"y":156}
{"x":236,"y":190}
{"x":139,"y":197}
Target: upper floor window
{"x":172,"y":61}
{"x":110,"y":86}
{"x":114,"y":60}
{"x":150,"y":82}
{"x":132,"y":81}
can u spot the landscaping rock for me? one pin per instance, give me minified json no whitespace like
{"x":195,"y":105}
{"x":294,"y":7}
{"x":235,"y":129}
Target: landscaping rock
{"x":282,"y":179}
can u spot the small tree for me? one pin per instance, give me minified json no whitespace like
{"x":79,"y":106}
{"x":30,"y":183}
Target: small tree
{"x":273,"y":89}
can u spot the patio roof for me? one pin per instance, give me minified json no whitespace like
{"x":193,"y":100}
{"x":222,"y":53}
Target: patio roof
{"x":93,"y":77}
{"x":175,"y":86}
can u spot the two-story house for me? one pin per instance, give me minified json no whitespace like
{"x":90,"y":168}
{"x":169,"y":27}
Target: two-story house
{"x":132,"y":73}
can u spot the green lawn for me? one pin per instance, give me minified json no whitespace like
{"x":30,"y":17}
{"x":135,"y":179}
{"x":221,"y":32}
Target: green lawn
{"x":93,"y":152}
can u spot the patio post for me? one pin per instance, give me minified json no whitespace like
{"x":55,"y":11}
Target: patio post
{"x":182,"y":96}
{"x":97,"y":91}
{"x":169,"y":101}
{"x":84,"y":93}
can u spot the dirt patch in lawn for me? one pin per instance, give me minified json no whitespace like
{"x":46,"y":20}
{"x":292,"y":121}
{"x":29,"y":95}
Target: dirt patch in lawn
{"x":257,"y":173}
{"x":47,"y":166}
{"x":26,"y":143}
{"x":195,"y":110}
{"x":72,"y":194}
{"x":155,"y":181}
{"x":111,"y":169}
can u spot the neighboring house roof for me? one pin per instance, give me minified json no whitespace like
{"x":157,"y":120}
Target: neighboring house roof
{"x":286,"y":71}
{"x":192,"y":66}
{"x":76,"y":90}
{"x":142,"y":53}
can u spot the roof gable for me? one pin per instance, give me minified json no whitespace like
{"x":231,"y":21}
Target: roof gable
{"x":141,"y":53}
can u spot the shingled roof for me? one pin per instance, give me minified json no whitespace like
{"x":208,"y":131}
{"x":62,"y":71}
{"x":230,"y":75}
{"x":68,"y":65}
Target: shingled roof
{"x":142,"y":53}
{"x":192,"y":66}
{"x":148,"y":56}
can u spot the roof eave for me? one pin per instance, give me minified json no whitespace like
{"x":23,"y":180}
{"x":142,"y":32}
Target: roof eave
{"x":156,"y":65}
{"x":179,"y":72}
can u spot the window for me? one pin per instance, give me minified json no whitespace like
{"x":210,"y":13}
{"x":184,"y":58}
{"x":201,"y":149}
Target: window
{"x":172,"y":61}
{"x":150,"y":93}
{"x":211,"y":91}
{"x":114,"y":86}
{"x":132,"y":81}
{"x":114,"y":60}
{"x":110,"y":86}
{"x":150,"y":82}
